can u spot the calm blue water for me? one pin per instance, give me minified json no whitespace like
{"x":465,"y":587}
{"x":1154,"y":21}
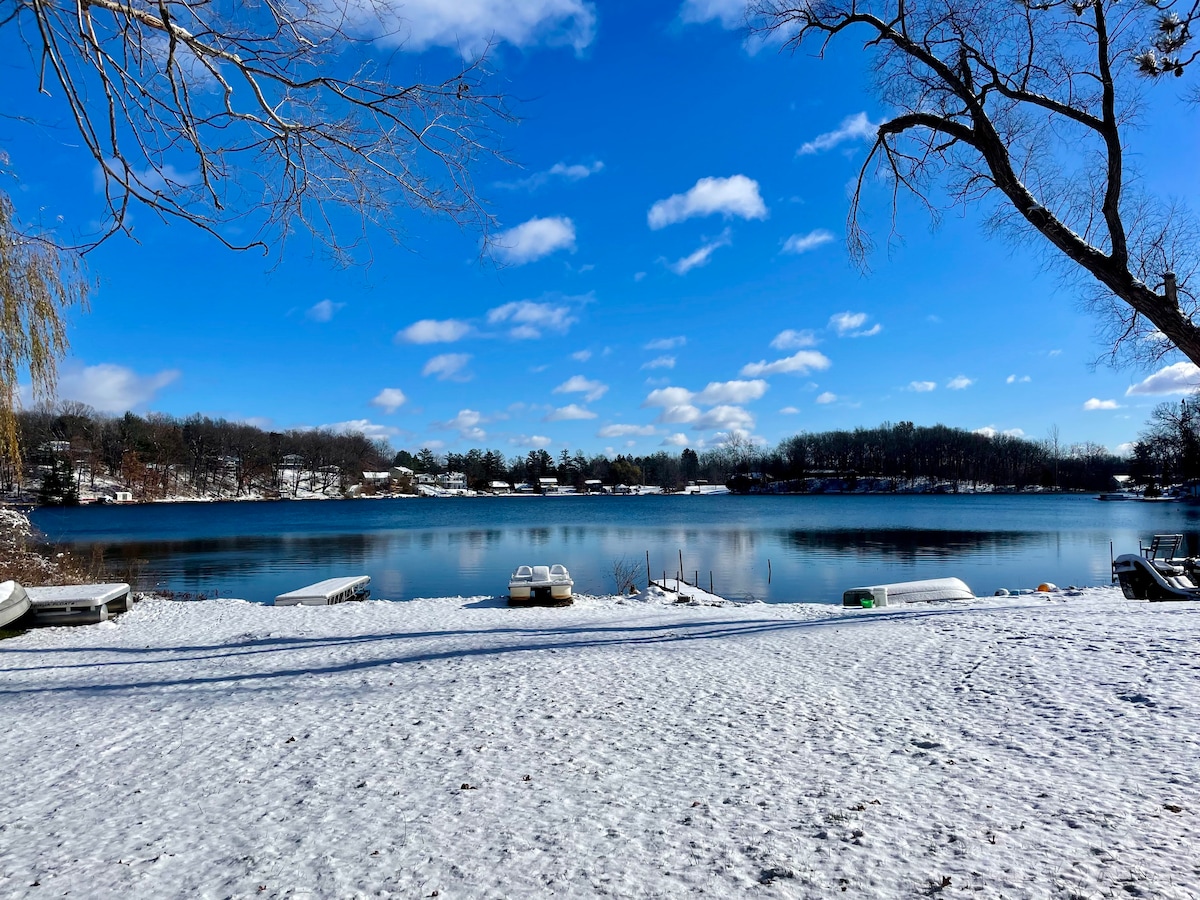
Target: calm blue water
{"x":811,"y":548}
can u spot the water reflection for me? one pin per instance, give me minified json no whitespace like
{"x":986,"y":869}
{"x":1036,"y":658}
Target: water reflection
{"x":908,"y":544}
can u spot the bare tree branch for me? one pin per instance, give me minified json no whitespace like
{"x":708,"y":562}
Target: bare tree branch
{"x":252,"y":122}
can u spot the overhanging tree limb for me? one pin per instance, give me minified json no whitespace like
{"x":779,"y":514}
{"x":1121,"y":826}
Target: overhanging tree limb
{"x":1026,"y":102}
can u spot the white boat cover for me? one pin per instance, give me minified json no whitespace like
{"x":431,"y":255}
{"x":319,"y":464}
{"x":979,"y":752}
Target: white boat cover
{"x":14,"y":602}
{"x":925,"y":591}
{"x":324,"y":592}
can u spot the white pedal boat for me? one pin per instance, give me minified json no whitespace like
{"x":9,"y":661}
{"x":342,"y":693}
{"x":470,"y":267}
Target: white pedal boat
{"x":533,"y":585}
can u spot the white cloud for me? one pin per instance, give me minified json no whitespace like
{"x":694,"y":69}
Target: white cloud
{"x":668,"y":396}
{"x":470,"y":27}
{"x":959,"y":383}
{"x":323,"y":311}
{"x":789,"y":411}
{"x":990,"y":431}
{"x":730,"y":13}
{"x":718,"y":392}
{"x":733,"y":196}
{"x":848,"y":324}
{"x":922,"y":387}
{"x":432,"y":331}
{"x":679,"y":414}
{"x":581,"y":355}
{"x":1097,"y":403}
{"x":802,"y":243}
{"x":701,"y":256}
{"x":569,"y":413}
{"x":660,"y":362}
{"x":611,"y":431}
{"x":1178,"y":378}
{"x":466,"y":423}
{"x":800,"y":363}
{"x":530,"y":319}
{"x":678,"y":439}
{"x":826,"y":397}
{"x":530,"y":440}
{"x":535,"y":239}
{"x":577,"y":384}
{"x":725,"y":417}
{"x":448,"y":367}
{"x":790,"y":339}
{"x":574,"y":172}
{"x":1125,"y":449}
{"x":389,"y":400}
{"x":665,"y":343}
{"x":1017,"y":379}
{"x":111,"y":388}
{"x":365,"y":427}
{"x":853,"y":128}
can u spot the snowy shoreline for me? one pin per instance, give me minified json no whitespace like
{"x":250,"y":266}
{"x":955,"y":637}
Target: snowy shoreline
{"x":1033,"y":746}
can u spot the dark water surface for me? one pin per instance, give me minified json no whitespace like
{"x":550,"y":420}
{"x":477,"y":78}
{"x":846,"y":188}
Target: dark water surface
{"x":816,"y":546}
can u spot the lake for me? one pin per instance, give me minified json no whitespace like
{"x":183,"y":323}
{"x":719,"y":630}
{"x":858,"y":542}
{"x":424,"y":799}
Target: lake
{"x":776,"y":549}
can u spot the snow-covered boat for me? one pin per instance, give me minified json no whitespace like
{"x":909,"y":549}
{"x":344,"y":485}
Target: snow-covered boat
{"x":926,"y":591}
{"x":531,"y":585}
{"x":1119,"y":495}
{"x":1157,"y":572}
{"x":14,"y":602}
{"x":77,"y":604}
{"x":329,"y":591}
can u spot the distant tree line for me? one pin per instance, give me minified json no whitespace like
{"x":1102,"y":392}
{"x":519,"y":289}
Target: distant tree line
{"x":70,"y":445}
{"x":1168,"y":451}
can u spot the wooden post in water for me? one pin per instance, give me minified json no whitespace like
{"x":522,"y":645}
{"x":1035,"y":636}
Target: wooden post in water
{"x":649,"y":577}
{"x":768,"y":571}
{"x":696,"y":579}
{"x":710,"y":587}
{"x":680,"y":565}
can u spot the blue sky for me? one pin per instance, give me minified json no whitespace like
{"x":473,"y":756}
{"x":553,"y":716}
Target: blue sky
{"x":670,"y":268}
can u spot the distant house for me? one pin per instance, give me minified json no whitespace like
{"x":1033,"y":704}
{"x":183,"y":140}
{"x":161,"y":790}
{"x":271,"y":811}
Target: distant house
{"x":292,"y":461}
{"x":425,"y":478}
{"x":56,"y":447}
{"x":399,"y":473}
{"x":453,"y":481}
{"x":499,"y":487}
{"x":548,"y":485}
{"x":377,"y":478}
{"x":593,"y":486}
{"x":123,"y":497}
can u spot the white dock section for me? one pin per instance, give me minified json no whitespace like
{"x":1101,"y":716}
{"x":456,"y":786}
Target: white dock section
{"x":77,"y":604}
{"x":331,"y":590}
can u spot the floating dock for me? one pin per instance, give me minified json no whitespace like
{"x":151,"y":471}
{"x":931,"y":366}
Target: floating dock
{"x":327,"y":592}
{"x":77,"y":604}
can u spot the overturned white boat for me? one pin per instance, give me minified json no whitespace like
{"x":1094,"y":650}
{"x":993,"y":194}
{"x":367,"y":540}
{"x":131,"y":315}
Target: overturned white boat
{"x":540,"y":585}
{"x":928,"y":590}
{"x":77,"y":604}
{"x":14,"y":602}
{"x":327,"y":592}
{"x":1157,"y":572}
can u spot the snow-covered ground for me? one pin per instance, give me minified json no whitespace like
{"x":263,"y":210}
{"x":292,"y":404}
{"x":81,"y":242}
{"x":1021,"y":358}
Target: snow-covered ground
{"x":1033,"y":746}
